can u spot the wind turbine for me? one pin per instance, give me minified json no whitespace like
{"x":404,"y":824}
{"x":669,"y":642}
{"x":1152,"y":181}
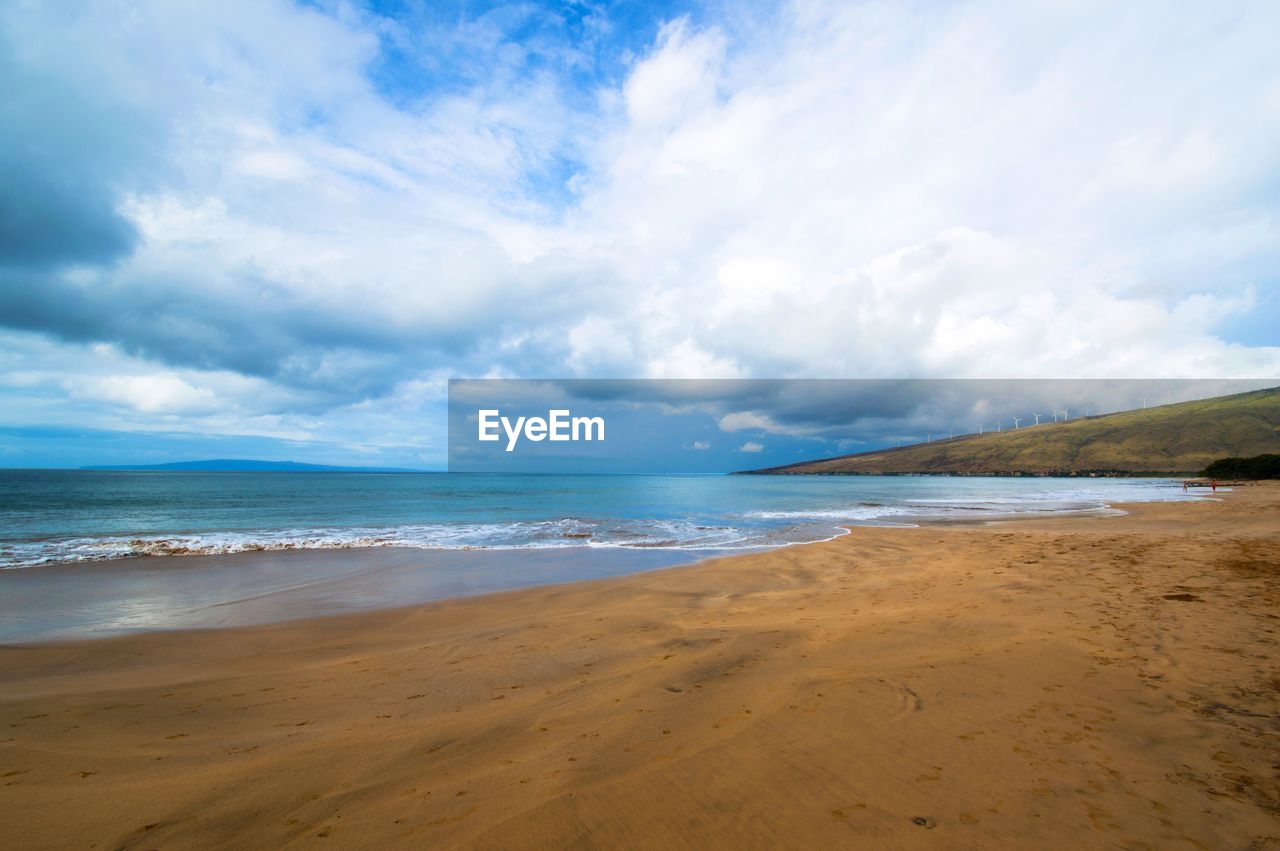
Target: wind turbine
{"x":1037,"y":416}
{"x":999,"y":424}
{"x":1066,"y":415}
{"x":1144,"y":402}
{"x":1017,"y":420}
{"x":979,"y":428}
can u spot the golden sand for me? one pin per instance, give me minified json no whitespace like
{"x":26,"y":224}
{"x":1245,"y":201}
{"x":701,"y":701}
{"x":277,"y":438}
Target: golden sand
{"x":1106,"y":682}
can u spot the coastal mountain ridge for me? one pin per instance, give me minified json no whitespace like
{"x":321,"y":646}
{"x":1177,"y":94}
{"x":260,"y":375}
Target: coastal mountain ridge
{"x":1177,"y":439}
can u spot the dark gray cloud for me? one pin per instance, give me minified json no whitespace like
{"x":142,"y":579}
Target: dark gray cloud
{"x":338,"y":358}
{"x":879,"y":409}
{"x":50,"y":218}
{"x":68,"y":149}
{"x":251,"y":325}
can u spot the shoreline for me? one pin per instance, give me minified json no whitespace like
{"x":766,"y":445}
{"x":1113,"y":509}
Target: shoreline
{"x":319,"y":620}
{"x":261,"y":587}
{"x":1010,"y":685}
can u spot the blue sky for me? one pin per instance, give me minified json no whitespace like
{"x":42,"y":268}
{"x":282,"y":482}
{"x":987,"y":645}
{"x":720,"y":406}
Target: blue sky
{"x":281,"y":227}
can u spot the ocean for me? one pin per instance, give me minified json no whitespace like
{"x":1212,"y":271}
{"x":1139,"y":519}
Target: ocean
{"x":56,"y":516}
{"x":99,"y":552}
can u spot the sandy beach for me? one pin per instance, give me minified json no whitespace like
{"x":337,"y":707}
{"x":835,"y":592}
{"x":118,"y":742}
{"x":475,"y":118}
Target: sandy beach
{"x":1101,"y":682}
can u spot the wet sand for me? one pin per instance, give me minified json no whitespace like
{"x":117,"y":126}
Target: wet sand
{"x":1102,"y":682}
{"x":102,"y":598}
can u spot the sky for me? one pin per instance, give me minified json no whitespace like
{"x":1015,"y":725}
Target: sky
{"x":710,"y":426}
{"x":275,"y":229}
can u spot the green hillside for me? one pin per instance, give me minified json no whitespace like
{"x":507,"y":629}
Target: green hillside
{"x":1171,"y":439}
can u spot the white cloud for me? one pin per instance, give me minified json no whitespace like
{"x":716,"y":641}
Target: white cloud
{"x":755,"y":420}
{"x":887,"y":194}
{"x":678,"y":80}
{"x":599,"y":346}
{"x":742,"y":420}
{"x":150,"y":394}
{"x":751,"y":446}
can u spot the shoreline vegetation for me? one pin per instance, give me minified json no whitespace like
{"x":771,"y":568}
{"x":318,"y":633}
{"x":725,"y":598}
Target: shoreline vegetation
{"x":1177,"y":440}
{"x":1108,"y":680}
{"x":1257,"y":468}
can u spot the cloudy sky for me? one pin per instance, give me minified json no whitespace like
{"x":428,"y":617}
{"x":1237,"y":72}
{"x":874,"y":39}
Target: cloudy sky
{"x":275,"y":229}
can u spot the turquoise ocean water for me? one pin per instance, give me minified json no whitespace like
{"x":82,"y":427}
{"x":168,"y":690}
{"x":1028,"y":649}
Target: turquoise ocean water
{"x":86,"y":554}
{"x":52,"y":517}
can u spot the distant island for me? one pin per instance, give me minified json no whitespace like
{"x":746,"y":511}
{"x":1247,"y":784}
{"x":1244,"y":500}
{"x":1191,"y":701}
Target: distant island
{"x":242,"y":465}
{"x":1178,"y":439}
